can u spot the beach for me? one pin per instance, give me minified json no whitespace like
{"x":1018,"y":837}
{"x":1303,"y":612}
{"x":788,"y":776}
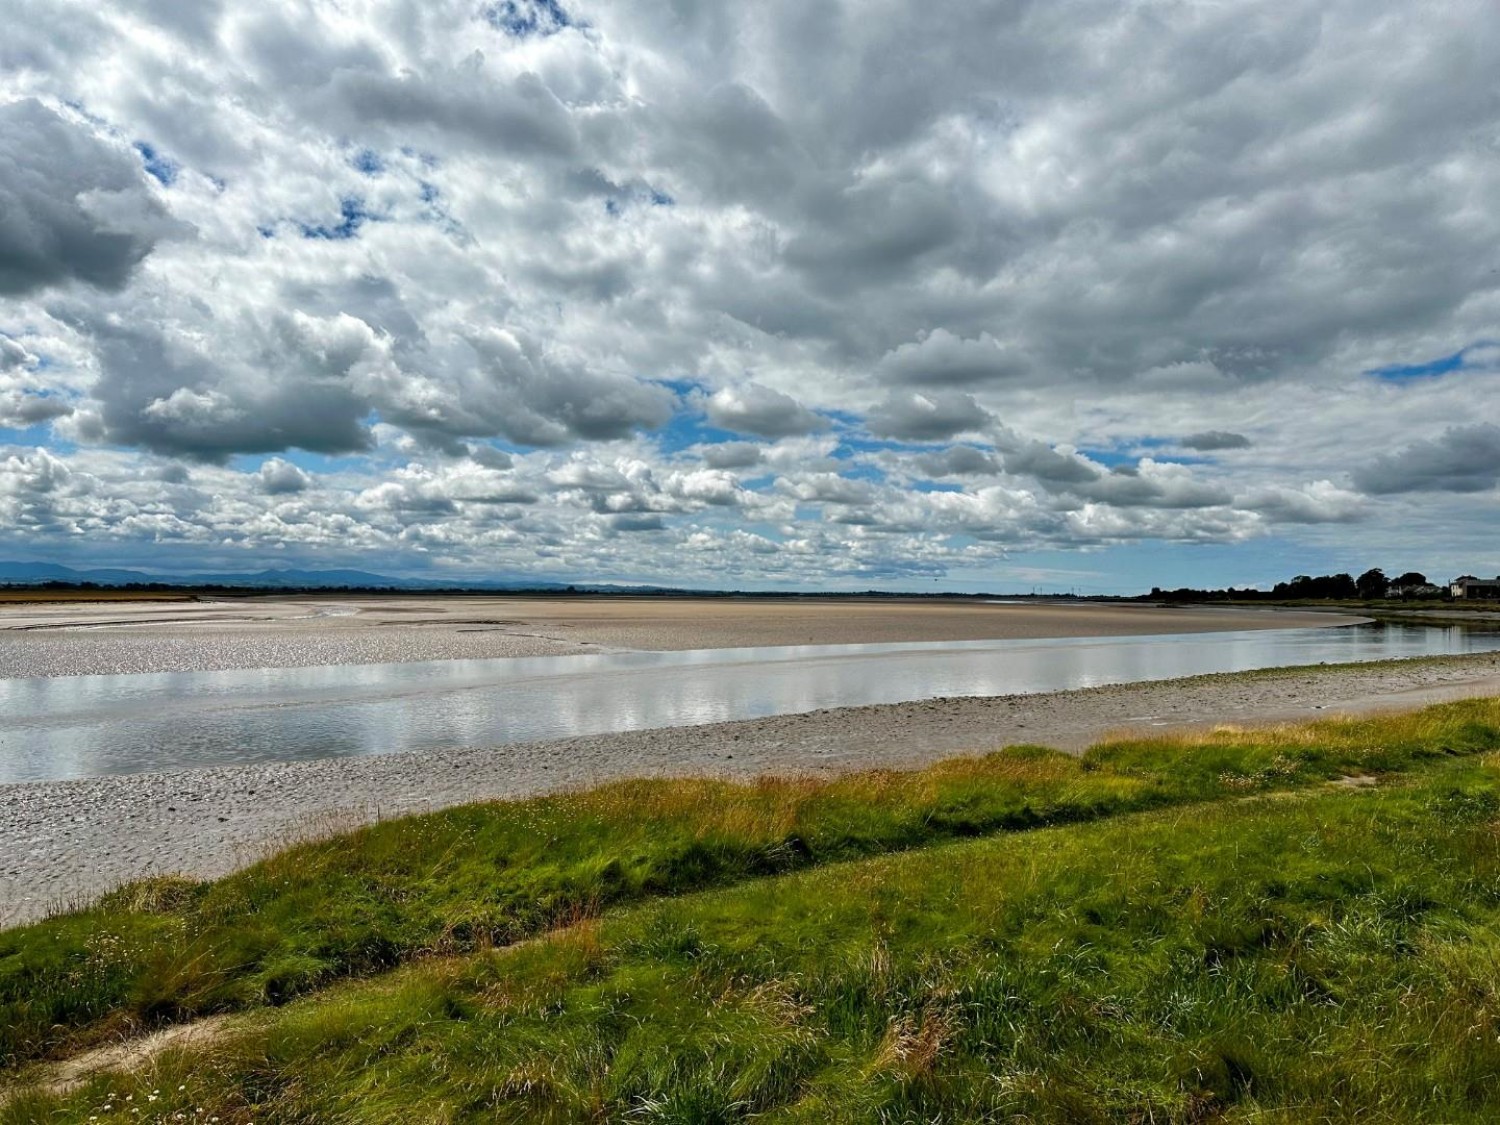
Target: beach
{"x":67,"y":842}
{"x":280,"y":631}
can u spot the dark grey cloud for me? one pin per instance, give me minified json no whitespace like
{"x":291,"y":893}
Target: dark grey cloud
{"x":958,"y":461}
{"x":928,"y":416}
{"x":165,"y":394}
{"x":12,"y":355}
{"x":942,"y":359}
{"x":1036,"y":459}
{"x":1127,"y":489}
{"x":537,"y":399}
{"x":22,"y":409}
{"x":72,"y":207}
{"x":520,"y":118}
{"x":1211,"y":441}
{"x":754,"y":409}
{"x":1463,"y":459}
{"x":733,"y":455}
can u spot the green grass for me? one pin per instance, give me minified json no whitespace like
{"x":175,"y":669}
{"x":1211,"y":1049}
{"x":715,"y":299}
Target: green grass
{"x":1303,"y":954}
{"x":484,"y":875}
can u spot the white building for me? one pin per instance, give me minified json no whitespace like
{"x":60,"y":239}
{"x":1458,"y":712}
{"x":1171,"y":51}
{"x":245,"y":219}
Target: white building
{"x":1469,"y":587}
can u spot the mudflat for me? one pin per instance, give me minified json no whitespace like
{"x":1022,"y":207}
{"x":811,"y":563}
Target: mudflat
{"x":68,"y":841}
{"x":102,"y":638}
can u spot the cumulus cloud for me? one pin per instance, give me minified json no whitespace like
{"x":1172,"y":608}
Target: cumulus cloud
{"x":163,"y":390}
{"x":958,"y":461}
{"x":538,"y":399}
{"x":943,"y":359}
{"x":278,"y":478}
{"x":12,"y":355}
{"x":928,"y":416}
{"x":73,"y":207}
{"x":1319,"y":502}
{"x":754,"y":409}
{"x":733,"y":455}
{"x":20,"y":409}
{"x":1036,"y":459}
{"x":1463,"y":459}
{"x":482,"y":254}
{"x":1212,"y":441}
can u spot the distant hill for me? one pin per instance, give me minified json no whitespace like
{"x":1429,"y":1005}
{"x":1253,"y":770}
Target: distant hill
{"x":15,"y":573}
{"x":25,"y":573}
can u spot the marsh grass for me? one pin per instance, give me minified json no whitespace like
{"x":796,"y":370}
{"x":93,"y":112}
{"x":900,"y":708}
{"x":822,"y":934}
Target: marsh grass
{"x":473,"y":879}
{"x":1330,"y":957}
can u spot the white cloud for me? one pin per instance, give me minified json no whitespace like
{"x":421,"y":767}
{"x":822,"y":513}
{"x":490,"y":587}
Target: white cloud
{"x":478,"y":267}
{"x":753,"y":409}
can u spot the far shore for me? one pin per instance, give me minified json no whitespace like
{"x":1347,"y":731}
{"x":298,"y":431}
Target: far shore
{"x":68,"y":842}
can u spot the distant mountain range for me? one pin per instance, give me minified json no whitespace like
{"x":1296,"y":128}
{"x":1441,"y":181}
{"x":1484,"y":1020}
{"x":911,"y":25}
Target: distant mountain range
{"x":28,"y":573}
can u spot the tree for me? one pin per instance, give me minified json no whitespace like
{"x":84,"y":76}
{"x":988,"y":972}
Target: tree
{"x":1372,"y":583}
{"x":1410,"y":580}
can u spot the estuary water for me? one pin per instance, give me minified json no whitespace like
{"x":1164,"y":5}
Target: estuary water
{"x":85,"y":726}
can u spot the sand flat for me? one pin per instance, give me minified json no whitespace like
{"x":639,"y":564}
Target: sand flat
{"x":69,"y":841}
{"x":278,"y":631}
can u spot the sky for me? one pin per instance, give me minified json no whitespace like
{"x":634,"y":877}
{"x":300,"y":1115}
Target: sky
{"x":1058,"y":295}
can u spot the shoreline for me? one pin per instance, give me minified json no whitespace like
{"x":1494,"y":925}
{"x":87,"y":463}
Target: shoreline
{"x":67,"y":842}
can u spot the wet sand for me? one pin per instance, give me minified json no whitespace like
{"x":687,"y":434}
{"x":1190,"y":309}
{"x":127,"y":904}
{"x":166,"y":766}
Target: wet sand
{"x":66,"y":842}
{"x":276,"y":631}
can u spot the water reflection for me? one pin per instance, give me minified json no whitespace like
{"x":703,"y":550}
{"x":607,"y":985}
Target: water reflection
{"x":82,"y":726}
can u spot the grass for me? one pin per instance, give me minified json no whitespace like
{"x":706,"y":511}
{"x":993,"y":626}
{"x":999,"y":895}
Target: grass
{"x":1203,"y":932}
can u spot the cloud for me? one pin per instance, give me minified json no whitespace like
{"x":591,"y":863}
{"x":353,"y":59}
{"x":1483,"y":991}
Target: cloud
{"x":20,"y":409}
{"x":1038,"y":460}
{"x":1210,"y":441}
{"x":928,"y":416}
{"x":1463,"y":459}
{"x":13,"y":356}
{"x":72,"y":206}
{"x":163,"y":391}
{"x":539,"y":399}
{"x":958,"y":460}
{"x":733,"y":455}
{"x":1319,"y":502}
{"x":486,"y":254}
{"x":942,"y":359}
{"x":280,"y":478}
{"x":753,"y":409}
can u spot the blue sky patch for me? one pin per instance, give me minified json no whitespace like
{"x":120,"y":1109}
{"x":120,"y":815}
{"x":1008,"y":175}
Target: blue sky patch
{"x":163,"y":169}
{"x":352,"y":215}
{"x":864,"y":472}
{"x":1432,"y":369}
{"x":688,"y":428}
{"x":522,"y":19}
{"x":1109,"y":458}
{"x":367,"y":162}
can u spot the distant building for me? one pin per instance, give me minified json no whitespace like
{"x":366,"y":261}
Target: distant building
{"x":1469,"y":587}
{"x":1415,"y":590}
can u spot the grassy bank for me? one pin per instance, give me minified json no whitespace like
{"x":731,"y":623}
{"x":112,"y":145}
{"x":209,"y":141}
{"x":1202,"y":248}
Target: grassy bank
{"x":484,"y":875}
{"x":1206,"y":931}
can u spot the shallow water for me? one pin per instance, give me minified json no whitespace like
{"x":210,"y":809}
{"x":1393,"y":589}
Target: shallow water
{"x":84,"y":726}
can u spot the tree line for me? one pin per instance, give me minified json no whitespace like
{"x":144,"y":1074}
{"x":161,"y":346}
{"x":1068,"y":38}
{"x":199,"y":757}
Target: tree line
{"x":1372,"y":584}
